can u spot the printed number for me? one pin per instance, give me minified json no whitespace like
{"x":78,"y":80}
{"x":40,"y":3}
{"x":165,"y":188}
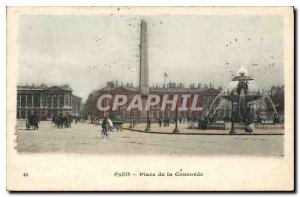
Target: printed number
{"x":25,"y":174}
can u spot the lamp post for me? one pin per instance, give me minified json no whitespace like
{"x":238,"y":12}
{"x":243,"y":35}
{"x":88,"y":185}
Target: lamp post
{"x":148,"y":122}
{"x":232,"y":116}
{"x":131,"y":119}
{"x":176,"y":130}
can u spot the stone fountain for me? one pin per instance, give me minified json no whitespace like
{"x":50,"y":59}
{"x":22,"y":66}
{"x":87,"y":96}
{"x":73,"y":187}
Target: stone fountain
{"x":243,"y":96}
{"x":239,"y":98}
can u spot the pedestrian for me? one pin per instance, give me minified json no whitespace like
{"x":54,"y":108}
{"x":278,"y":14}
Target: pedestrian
{"x":110,"y":124}
{"x":180,"y":120}
{"x":134,"y":122}
{"x":104,"y":126}
{"x":168,"y":122}
{"x":148,"y":123}
{"x":159,"y":122}
{"x":165,"y":122}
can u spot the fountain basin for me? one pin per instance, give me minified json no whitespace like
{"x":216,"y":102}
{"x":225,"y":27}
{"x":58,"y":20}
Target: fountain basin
{"x":239,"y":126}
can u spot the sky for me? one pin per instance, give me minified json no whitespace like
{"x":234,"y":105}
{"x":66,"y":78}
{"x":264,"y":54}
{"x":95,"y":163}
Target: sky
{"x":87,"y":51}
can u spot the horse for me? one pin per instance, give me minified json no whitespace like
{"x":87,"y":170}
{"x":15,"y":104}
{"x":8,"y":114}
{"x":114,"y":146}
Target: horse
{"x":68,"y":121}
{"x":32,"y":121}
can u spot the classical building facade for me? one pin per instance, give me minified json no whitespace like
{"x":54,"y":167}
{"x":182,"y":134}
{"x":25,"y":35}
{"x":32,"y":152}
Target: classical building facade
{"x":43,"y":100}
{"x":204,"y":101}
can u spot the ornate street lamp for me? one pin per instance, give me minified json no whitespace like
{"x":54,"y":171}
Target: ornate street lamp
{"x":131,"y":119}
{"x":176,"y":130}
{"x":148,"y":122}
{"x":232,"y":115}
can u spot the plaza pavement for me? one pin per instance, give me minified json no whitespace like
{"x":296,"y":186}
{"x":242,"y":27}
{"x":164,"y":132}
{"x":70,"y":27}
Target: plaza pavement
{"x":84,"y":138}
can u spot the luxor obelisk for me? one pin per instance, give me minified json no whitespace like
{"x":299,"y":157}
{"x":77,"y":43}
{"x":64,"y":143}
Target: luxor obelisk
{"x":144,"y":68}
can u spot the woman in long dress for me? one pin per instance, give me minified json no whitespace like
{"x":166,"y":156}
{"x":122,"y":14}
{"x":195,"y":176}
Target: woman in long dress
{"x":110,"y":124}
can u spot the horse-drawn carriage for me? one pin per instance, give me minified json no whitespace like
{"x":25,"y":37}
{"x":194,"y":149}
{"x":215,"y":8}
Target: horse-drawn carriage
{"x":117,"y":121}
{"x":32,"y":122}
{"x":118,"y":124}
{"x":62,"y":120}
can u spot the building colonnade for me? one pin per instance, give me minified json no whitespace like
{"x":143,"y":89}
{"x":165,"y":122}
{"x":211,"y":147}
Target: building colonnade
{"x":30,"y":101}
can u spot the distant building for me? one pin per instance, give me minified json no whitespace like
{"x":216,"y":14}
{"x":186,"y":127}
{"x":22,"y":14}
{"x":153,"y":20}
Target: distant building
{"x":76,"y":105}
{"x":43,"y":100}
{"x":277,"y":90}
{"x":205,"y":99}
{"x":277,"y":97}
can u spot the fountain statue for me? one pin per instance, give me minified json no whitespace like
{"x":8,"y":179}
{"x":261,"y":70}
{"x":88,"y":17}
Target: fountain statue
{"x":243,"y":97}
{"x":240,"y":97}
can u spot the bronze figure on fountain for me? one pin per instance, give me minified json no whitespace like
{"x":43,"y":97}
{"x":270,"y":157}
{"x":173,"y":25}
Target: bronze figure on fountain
{"x":239,"y":98}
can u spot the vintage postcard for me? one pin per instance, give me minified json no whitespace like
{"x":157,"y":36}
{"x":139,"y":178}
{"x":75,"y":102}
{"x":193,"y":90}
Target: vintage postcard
{"x":150,"y":98}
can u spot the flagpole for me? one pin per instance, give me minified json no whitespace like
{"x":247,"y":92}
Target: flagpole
{"x":165,"y":76}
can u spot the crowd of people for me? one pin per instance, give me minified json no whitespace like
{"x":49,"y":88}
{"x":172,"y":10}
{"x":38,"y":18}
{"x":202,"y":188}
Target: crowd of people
{"x":166,"y":121}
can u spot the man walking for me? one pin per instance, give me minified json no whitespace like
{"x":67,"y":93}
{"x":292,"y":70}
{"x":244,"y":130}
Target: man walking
{"x":148,"y":123}
{"x":165,"y":122}
{"x":104,"y":126}
{"x":159,"y":122}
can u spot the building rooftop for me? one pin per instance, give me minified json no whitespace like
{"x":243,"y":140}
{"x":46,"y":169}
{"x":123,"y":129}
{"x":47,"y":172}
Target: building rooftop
{"x":157,"y":89}
{"x":76,"y":97}
{"x":43,"y":87}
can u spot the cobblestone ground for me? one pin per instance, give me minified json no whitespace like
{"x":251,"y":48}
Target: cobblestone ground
{"x":86,"y":138}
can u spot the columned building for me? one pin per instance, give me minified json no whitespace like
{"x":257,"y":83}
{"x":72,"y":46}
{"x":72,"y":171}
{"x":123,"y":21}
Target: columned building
{"x":43,"y":100}
{"x":205,"y":100}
